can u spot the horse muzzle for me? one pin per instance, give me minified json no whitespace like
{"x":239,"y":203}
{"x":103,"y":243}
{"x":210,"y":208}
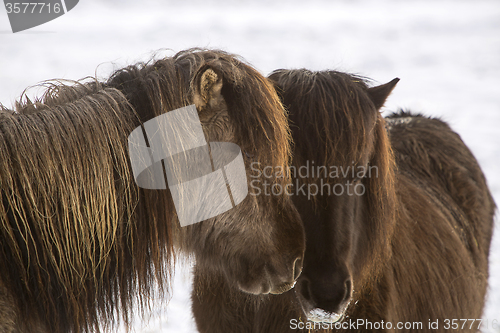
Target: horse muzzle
{"x":326,"y":304}
{"x":273,"y":283}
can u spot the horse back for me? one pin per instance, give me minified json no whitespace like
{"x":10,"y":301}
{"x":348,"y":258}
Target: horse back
{"x":433,"y":156}
{"x":445,"y":220}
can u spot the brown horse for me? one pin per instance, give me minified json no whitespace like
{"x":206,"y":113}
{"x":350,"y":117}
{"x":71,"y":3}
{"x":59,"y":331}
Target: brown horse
{"x":82,"y":245}
{"x":397,"y":214}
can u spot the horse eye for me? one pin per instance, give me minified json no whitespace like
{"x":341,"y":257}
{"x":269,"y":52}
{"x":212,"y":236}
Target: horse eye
{"x":248,"y":154}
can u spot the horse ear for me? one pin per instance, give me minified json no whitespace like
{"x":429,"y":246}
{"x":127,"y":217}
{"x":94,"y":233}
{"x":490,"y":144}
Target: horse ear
{"x":379,"y":94}
{"x":207,"y":88}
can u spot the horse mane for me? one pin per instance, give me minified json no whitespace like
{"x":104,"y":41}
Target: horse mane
{"x":76,"y":240}
{"x":252,"y":103}
{"x":326,"y":108}
{"x":331,"y":117}
{"x":81,"y":244}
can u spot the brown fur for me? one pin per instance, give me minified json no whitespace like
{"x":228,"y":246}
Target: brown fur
{"x":81,"y":244}
{"x":413,"y":248}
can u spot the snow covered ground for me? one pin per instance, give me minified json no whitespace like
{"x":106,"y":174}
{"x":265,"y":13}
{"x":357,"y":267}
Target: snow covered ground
{"x":447,"y":54}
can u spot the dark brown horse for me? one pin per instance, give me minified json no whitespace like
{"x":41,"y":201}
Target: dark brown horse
{"x":81,"y":244}
{"x":397,"y":213}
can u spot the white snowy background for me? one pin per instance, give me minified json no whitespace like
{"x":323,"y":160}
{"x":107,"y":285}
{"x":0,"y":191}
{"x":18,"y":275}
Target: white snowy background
{"x":447,"y":54}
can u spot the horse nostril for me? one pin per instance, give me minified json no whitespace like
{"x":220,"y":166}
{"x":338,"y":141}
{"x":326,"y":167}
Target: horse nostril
{"x":297,"y":268}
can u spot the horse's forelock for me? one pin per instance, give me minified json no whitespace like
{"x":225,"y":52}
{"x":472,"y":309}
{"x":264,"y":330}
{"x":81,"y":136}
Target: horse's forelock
{"x":253,"y":105}
{"x":261,"y":119}
{"x":332,"y":113}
